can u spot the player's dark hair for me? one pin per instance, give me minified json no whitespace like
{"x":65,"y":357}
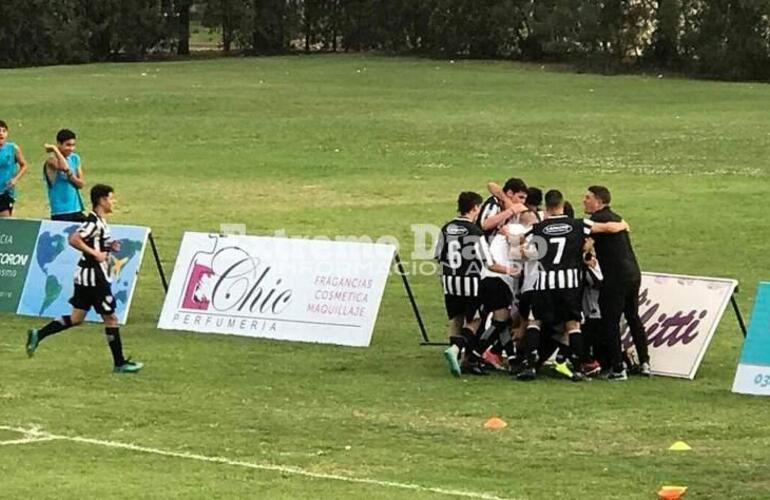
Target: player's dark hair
{"x":467,"y":201}
{"x":65,"y":135}
{"x":601,"y":193}
{"x":3,"y":125}
{"x":569,"y":211}
{"x":515,"y":185}
{"x":553,"y":198}
{"x":100,"y":191}
{"x":534,"y":196}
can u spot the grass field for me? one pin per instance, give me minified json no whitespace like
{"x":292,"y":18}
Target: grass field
{"x":364,"y":145}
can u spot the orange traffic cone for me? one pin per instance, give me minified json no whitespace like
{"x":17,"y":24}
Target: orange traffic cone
{"x":495,"y":423}
{"x":671,"y":492}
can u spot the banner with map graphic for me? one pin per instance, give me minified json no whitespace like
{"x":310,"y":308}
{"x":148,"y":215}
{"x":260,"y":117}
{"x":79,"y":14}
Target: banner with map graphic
{"x":44,"y":266}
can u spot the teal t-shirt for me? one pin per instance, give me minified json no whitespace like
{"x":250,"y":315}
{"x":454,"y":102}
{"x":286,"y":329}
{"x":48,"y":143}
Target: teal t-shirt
{"x":63,"y":196}
{"x":8,"y":167}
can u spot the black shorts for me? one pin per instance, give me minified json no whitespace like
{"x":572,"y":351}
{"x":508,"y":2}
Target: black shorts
{"x":557,"y":306}
{"x":495,"y":294}
{"x":6,"y":203}
{"x":71,"y":217}
{"x":457,"y":305}
{"x":99,"y":297}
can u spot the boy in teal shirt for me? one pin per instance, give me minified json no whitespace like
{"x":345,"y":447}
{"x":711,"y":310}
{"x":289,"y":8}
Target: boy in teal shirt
{"x":63,"y":174}
{"x":12,"y":168}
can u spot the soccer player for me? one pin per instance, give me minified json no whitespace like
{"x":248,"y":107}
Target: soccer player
{"x":499,"y":285}
{"x":593,"y":278}
{"x":459,"y":252}
{"x":63,"y":173}
{"x":92,"y":281}
{"x":12,"y":169}
{"x":495,"y":212}
{"x":534,"y":201}
{"x":559,"y":243}
{"x":620,"y":290}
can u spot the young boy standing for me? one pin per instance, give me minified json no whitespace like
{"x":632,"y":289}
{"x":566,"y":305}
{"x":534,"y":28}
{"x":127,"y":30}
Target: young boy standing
{"x":64,"y":179}
{"x":12,"y":168}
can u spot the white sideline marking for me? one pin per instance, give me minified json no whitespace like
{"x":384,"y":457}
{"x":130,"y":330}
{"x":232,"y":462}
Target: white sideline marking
{"x":28,"y":440}
{"x":34,"y":434}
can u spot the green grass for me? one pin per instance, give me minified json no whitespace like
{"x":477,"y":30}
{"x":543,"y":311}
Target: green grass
{"x":364,"y":145}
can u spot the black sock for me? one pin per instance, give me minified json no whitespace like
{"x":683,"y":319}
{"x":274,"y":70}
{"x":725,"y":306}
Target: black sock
{"x":55,"y":326}
{"x":577,"y":346}
{"x":498,"y":348}
{"x":531,"y":343}
{"x":113,"y":339}
{"x":563,"y":353}
{"x":506,"y":341}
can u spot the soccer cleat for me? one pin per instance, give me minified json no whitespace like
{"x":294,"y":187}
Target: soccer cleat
{"x":474,"y":368}
{"x":515,"y":364}
{"x":592,"y":368}
{"x":450,"y":355}
{"x":645,"y":370}
{"x":494,"y":360}
{"x":563,"y":369}
{"x":32,"y":341}
{"x":621,"y":375}
{"x":578,"y":377}
{"x":527,"y":374}
{"x":128,"y":366}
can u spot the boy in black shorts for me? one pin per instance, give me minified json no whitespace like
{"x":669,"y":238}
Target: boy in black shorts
{"x":459,"y":253}
{"x":92,"y":281}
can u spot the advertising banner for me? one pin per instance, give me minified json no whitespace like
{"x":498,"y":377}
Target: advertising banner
{"x":278,"y":288}
{"x":17,"y":242}
{"x":680,"y":315}
{"x":40,"y":265}
{"x":753,"y":374}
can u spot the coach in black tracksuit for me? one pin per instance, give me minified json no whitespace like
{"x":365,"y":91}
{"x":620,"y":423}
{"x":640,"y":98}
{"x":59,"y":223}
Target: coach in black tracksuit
{"x":622,"y":280}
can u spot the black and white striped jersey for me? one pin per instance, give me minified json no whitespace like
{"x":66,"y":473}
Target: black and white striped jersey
{"x":96,"y":234}
{"x":559,"y":241}
{"x":462,"y":252}
{"x":489,"y":208}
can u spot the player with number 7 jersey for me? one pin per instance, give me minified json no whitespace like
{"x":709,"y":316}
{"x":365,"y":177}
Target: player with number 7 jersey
{"x":560,"y":242}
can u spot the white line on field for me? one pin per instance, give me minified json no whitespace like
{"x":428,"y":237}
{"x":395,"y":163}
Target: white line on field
{"x":28,"y":440}
{"x":34,"y":434}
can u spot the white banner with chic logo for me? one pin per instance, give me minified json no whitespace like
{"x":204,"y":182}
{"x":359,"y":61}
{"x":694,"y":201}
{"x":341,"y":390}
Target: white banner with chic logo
{"x":278,"y":288}
{"x":680,"y":315}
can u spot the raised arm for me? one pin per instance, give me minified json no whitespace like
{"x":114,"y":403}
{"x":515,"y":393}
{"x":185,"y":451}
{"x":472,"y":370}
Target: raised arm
{"x":510,"y":208}
{"x":507,"y":202}
{"x":57,"y":161}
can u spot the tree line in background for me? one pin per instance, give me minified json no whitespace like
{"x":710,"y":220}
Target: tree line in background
{"x":714,"y":38}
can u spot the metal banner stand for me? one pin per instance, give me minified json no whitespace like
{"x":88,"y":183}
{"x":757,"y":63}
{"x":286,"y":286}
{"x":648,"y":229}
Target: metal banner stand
{"x":158,"y":264}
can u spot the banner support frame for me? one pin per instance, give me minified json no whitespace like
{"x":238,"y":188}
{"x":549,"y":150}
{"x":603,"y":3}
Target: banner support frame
{"x":413,"y":302}
{"x":738,"y":314}
{"x":158,"y":264}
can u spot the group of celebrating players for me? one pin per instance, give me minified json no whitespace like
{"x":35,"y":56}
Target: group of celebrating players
{"x":524,"y":285}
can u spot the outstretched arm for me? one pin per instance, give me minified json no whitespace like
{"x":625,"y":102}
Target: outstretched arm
{"x":610,"y":227}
